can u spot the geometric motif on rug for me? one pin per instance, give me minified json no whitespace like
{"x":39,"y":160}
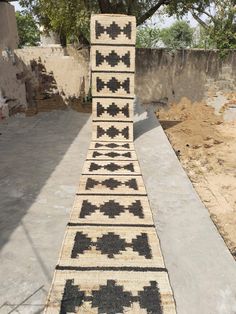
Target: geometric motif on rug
{"x":111,"y":209}
{"x":112,"y":131}
{"x":110,"y":292}
{"x":112,"y":145}
{"x":107,"y":109}
{"x":111,"y":167}
{"x":111,"y":260}
{"x":112,"y":246}
{"x":111,"y":154}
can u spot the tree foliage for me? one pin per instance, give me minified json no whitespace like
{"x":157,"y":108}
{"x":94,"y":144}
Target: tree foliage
{"x":148,"y":37}
{"x":28,"y":31}
{"x":70,"y":18}
{"x":217,"y":18}
{"x":177,"y":36}
{"x":222,"y":26}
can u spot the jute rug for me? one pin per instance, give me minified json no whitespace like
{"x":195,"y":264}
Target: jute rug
{"x":111,"y":261}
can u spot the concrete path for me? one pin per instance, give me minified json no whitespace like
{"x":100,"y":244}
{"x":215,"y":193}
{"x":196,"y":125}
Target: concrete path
{"x":40,"y":162}
{"x":201,"y":269}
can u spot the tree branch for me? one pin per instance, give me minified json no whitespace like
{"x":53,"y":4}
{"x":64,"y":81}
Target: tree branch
{"x":119,"y":7}
{"x":202,"y":12}
{"x":151,"y":11}
{"x":105,"y":6}
{"x":130,"y":5}
{"x":201,"y":22}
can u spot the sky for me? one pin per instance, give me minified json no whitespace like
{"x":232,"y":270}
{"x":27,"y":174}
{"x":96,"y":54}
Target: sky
{"x":165,"y":20}
{"x":16,"y":5}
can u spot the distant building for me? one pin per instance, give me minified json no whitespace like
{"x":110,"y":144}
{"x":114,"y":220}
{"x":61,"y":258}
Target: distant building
{"x":48,"y":38}
{"x":8,"y":28}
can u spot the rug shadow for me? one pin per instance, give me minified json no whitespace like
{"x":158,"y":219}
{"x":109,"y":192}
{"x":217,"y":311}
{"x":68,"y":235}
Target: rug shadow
{"x":144,"y":119}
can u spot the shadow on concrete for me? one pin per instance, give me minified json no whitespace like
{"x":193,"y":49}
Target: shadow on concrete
{"x":36,"y":252}
{"x":145,"y":119}
{"x":15,"y":307}
{"x":167,"y":124}
{"x":31,"y":149}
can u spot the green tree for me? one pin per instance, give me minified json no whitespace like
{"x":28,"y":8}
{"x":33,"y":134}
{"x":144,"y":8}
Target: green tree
{"x":147,"y":37}
{"x":222,"y":26}
{"x":217,"y":18}
{"x":179,"y":35}
{"x":70,"y":18}
{"x":28,"y":31}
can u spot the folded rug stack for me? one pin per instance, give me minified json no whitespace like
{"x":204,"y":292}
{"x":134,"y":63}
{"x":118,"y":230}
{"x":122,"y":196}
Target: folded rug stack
{"x":111,"y":261}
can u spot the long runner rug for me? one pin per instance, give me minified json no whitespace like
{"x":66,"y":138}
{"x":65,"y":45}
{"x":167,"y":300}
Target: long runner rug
{"x":111,"y":261}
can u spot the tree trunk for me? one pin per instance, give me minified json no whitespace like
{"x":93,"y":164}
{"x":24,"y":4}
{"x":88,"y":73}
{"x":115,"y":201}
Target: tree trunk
{"x":105,"y":6}
{"x":63,"y":39}
{"x":83,"y":40}
{"x":151,"y":11}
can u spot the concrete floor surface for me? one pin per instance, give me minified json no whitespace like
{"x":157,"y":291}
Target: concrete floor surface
{"x":201,"y":269}
{"x":40,"y":163}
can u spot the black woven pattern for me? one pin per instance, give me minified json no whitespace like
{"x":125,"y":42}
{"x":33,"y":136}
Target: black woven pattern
{"x":111,"y":262}
{"x":112,"y":110}
{"x":111,"y":167}
{"x":112,"y":145}
{"x":111,"y":244}
{"x":112,"y":58}
{"x":113,"y":132}
{"x":111,"y":209}
{"x":111,"y":183}
{"x":111,"y":154}
{"x":111,"y":298}
{"x":113,"y":85}
{"x":113,"y":30}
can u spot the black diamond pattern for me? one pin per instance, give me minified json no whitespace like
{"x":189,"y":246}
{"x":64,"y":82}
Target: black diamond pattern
{"x":112,"y":145}
{"x":72,"y":298}
{"x":111,"y":184}
{"x":150,"y":299}
{"x":112,"y":132}
{"x":81,"y":244}
{"x":111,"y":209}
{"x":111,"y":167}
{"x":140,"y":245}
{"x":111,"y":298}
{"x":111,"y":154}
{"x":111,"y":244}
{"x":113,"y":85}
{"x":112,"y":58}
{"x":112,"y":110}
{"x":113,"y":30}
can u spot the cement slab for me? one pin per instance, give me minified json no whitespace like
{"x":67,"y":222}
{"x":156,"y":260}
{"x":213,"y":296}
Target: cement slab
{"x":40,"y":164}
{"x":201,"y":269}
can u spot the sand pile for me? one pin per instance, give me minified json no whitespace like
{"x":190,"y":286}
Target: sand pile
{"x":206,"y":147}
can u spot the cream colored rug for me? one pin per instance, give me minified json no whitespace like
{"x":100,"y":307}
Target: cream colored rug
{"x":111,"y":261}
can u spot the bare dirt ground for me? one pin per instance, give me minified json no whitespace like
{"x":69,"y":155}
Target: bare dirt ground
{"x":206,"y":146}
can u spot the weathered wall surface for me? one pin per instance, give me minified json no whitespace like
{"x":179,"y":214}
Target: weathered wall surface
{"x":71,"y":73}
{"x":43,"y":78}
{"x":164,"y":77}
{"x":8,"y":28}
{"x":12,"y":87}
{"x":46,"y":78}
